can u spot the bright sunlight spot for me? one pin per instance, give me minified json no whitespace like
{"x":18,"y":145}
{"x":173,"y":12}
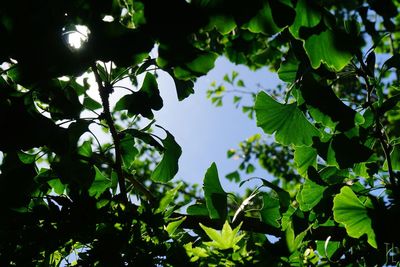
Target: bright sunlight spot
{"x":76,"y":38}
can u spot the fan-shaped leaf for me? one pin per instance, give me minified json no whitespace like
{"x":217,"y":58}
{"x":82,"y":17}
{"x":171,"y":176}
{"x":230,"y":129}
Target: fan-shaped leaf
{"x":287,"y":122}
{"x":309,"y":195}
{"x":168,"y":166}
{"x":349,"y":210}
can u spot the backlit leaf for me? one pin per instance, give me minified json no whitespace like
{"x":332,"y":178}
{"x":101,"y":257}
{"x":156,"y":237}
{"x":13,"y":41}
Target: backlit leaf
{"x":215,"y":196}
{"x":287,"y":122}
{"x":168,"y":166}
{"x":270,"y":213}
{"x":309,"y":195}
{"x":306,"y":16}
{"x":321,"y":48}
{"x":348,"y":210}
{"x":100,"y":184}
{"x":305,"y":157}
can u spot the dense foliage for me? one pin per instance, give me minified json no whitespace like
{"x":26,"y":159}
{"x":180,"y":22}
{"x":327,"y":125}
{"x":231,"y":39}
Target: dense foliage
{"x":67,"y":197}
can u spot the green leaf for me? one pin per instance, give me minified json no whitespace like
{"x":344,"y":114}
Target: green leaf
{"x":263,"y":22}
{"x":321,"y":48}
{"x":26,"y":158}
{"x":321,"y":100}
{"x":173,"y":226}
{"x":294,"y":242}
{"x":270,"y":213}
{"x":392,"y":62}
{"x":304,"y":157}
{"x":90,"y":103}
{"x":128,"y":150}
{"x":224,"y":24}
{"x":168,"y":166}
{"x":306,"y":16}
{"x":394,"y":158}
{"x":168,"y":198}
{"x":344,"y":152}
{"x":198,"y":209}
{"x":195,"y":253}
{"x":183,"y":88}
{"x":233,"y":176}
{"x":287,"y":122}
{"x":348,"y":210}
{"x":327,"y":248}
{"x":240,"y":83}
{"x":288,"y":69}
{"x":100,"y":184}
{"x":215,"y":196}
{"x":57,"y":186}
{"x":144,"y":101}
{"x":224,"y":239}
{"x":309,"y":195}
{"x":203,"y":63}
{"x":86,"y":149}
{"x":145,"y":137}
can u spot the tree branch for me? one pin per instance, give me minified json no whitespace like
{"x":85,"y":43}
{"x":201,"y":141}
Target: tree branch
{"x":104,"y":95}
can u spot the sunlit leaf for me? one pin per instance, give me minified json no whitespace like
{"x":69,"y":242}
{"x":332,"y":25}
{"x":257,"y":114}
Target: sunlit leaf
{"x":309,"y":195}
{"x":167,"y":199}
{"x":321,"y":48}
{"x":287,"y":122}
{"x":173,"y":226}
{"x":304,"y":157}
{"x":224,"y":239}
{"x":349,"y":210}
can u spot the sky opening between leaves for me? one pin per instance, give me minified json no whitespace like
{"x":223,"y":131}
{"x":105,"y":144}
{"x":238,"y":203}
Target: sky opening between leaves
{"x":205,"y":132}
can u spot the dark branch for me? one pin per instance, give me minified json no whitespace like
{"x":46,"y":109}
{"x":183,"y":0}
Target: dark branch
{"x":104,"y":95}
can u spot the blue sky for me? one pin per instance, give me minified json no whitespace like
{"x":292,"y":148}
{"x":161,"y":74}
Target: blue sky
{"x":206,"y":132}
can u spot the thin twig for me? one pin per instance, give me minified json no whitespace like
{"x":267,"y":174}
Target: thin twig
{"x":379,"y":129}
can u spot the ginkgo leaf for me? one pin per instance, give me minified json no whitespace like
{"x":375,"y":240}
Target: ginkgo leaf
{"x":270,"y":213}
{"x":285,"y":120}
{"x":306,"y":16}
{"x":321,"y":48}
{"x":143,"y":101}
{"x":215,"y":196}
{"x":100,"y":184}
{"x":304,"y":157}
{"x":168,"y":166}
{"x":310,"y":195}
{"x":348,"y":210}
{"x":263,"y":22}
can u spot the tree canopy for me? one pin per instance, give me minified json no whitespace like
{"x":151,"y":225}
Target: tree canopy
{"x":68,"y":197}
